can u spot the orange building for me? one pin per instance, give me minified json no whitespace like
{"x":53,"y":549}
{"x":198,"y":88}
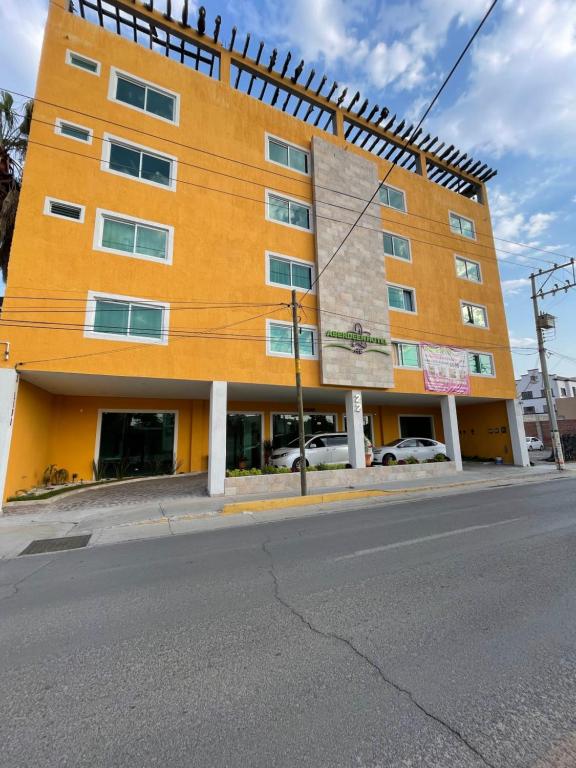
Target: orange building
{"x":177,"y":188}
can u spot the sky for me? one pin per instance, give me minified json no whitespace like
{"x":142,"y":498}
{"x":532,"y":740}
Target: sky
{"x":511,"y":103}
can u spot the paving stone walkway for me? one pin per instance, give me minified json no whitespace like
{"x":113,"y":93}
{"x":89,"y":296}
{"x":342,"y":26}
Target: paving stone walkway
{"x":120,"y":494}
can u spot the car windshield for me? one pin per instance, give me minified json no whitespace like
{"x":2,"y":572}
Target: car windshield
{"x":394,"y":442}
{"x":294,"y":443}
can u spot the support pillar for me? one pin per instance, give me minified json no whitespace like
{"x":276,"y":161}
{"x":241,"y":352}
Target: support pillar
{"x":517,"y":434}
{"x":450,"y":425}
{"x":217,"y":438}
{"x":355,"y":428}
{"x":8,"y":391}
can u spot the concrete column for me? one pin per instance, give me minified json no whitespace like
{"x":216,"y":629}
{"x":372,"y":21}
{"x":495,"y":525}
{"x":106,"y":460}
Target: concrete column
{"x":517,"y":434}
{"x":355,"y":427}
{"x":8,"y":391}
{"x":450,"y":425}
{"x":217,"y":438}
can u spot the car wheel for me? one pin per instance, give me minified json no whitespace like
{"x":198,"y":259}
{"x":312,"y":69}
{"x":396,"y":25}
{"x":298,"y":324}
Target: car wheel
{"x":387,"y":458}
{"x":296,"y":465}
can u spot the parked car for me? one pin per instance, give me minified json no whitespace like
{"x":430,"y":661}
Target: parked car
{"x":420,"y":448}
{"x":322,"y":448}
{"x":534,"y":444}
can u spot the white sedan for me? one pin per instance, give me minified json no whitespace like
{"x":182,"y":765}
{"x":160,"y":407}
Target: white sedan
{"x":420,"y":448}
{"x":534,"y":444}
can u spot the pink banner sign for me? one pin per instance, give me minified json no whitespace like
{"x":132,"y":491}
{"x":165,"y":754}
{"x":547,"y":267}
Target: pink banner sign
{"x":445,"y":369}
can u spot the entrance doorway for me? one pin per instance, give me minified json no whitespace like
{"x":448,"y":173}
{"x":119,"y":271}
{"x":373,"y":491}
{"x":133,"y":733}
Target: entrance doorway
{"x":136,"y":444}
{"x":416,"y":426}
{"x":244,"y":441}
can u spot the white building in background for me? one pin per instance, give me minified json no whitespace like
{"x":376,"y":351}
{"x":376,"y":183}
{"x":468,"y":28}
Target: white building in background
{"x":530,"y":390}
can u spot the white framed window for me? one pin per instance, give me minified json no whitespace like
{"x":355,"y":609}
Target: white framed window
{"x":282,"y":152}
{"x":83,"y":62}
{"x":289,"y":272}
{"x":393,"y":197}
{"x":125,"y":318}
{"x":481,"y":364}
{"x":279,"y":340}
{"x":406,"y":354}
{"x":468,"y":269}
{"x":474,"y":314}
{"x":401,"y":298}
{"x":124,"y":158}
{"x":397,"y":247}
{"x":144,"y":96}
{"x":63,"y":209}
{"x":459,"y":225}
{"x":73,"y":131}
{"x":126,"y":235}
{"x":288,"y":211}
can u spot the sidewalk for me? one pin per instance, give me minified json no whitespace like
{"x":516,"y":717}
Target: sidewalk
{"x":176,"y":513}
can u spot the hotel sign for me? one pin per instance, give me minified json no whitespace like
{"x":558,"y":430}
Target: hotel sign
{"x":359,"y":340}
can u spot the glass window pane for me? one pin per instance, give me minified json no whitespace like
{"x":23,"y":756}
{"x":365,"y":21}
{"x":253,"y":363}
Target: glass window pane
{"x":280,"y":271}
{"x":474,"y":363}
{"x":299,"y":216}
{"x":461,"y":268}
{"x":278,"y":152}
{"x":298,"y":160}
{"x":301,"y":276}
{"x":146,"y":321}
{"x":151,"y":242}
{"x":486,"y":364}
{"x":156,"y":169}
{"x":118,"y":235}
{"x":278,"y":209}
{"x":130,"y":93}
{"x":124,"y":160}
{"x":395,"y":297}
{"x":396,"y":199}
{"x":466,"y":313}
{"x":408,"y":300}
{"x":79,"y":61}
{"x":388,"y":245}
{"x":410,"y":355}
{"x":479,"y":316}
{"x":401,"y":248}
{"x":384,"y":195}
{"x":467,"y":228}
{"x":160,"y":104}
{"x":75,"y":133}
{"x":474,"y":272}
{"x":111,"y":317}
{"x":306,"y":343}
{"x":281,"y":339}
{"x":455,"y":223}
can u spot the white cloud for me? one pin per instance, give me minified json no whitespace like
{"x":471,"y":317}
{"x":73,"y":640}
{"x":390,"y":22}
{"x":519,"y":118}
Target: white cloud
{"x":512,"y":287}
{"x":20,"y":50}
{"x":539,"y":223}
{"x":511,"y":224}
{"x":518,"y":98}
{"x":522,"y":341}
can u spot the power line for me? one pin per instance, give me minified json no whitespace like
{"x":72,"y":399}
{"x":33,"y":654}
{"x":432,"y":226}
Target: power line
{"x":426,"y":112}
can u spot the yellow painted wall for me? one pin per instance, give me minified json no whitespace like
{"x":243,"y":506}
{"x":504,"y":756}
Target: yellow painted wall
{"x":31,"y":435}
{"x":220,"y":238}
{"x":478,"y":435}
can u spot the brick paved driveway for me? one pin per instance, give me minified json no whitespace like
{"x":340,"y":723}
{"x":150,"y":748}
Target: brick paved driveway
{"x":121,"y":494}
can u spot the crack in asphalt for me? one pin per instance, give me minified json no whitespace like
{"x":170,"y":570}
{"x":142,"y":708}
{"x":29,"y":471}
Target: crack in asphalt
{"x":16,"y":585}
{"x":366,"y":659}
{"x":163,"y":512}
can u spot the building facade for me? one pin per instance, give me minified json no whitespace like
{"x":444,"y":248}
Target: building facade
{"x":177,"y":188}
{"x":530,"y":390}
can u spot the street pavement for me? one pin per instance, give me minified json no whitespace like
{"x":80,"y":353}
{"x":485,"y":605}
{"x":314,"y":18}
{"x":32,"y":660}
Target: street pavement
{"x":434,"y":633}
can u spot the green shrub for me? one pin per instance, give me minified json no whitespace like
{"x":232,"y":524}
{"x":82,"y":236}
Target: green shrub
{"x":412,"y":460}
{"x":392,"y":463}
{"x":440,"y":457}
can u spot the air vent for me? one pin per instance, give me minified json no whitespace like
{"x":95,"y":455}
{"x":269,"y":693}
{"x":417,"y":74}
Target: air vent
{"x":65,"y":210}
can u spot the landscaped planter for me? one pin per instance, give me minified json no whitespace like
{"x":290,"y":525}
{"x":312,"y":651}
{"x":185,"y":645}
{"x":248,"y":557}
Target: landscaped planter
{"x":336,"y":478}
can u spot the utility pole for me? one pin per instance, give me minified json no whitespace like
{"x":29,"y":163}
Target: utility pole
{"x":301,"y":440}
{"x":544,"y":321}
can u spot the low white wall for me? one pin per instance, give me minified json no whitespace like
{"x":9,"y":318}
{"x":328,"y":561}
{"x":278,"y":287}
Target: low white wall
{"x":336,"y":478}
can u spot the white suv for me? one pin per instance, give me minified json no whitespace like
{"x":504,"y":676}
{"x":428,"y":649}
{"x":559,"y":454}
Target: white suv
{"x":323,"y":448}
{"x":534,"y":444}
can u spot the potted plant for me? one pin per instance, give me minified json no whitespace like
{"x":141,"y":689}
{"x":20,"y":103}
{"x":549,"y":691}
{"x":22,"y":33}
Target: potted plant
{"x":268,"y":448}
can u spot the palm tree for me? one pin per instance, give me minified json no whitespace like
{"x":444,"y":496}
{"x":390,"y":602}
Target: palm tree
{"x":14,"y":130}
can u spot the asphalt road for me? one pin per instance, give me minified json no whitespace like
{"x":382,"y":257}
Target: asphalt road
{"x":427,"y":633}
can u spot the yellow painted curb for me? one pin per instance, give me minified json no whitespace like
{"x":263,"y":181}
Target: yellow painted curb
{"x":296,"y":501}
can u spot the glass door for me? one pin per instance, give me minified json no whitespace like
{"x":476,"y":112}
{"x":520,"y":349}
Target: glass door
{"x":244,"y":441}
{"x":136,"y":444}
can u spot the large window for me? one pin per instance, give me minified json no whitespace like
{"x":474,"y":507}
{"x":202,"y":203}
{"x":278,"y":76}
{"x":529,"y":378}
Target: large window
{"x":292,"y":213}
{"x":393,"y":198}
{"x":139,"y":162}
{"x":474,"y":314}
{"x":285,"y":426}
{"x":289,"y":155}
{"x":406,"y":355}
{"x":134,"y":237}
{"x":280,"y":340}
{"x":136,"y":444}
{"x":396,"y":246}
{"x":144,"y":96}
{"x":468,"y":270}
{"x":290,"y":273}
{"x":401,"y":299}
{"x":461,"y":226}
{"x":126,"y":319}
{"x":526,"y":395}
{"x":481,"y":364}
